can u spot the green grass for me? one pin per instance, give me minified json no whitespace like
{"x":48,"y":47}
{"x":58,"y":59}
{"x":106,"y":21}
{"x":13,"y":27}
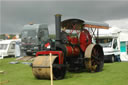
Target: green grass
{"x":21,"y":74}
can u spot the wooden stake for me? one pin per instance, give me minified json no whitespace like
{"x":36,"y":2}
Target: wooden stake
{"x":51,"y":72}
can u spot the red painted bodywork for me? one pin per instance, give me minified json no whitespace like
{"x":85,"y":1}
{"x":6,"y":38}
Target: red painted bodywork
{"x":85,"y":39}
{"x":72,"y":51}
{"x":73,"y":40}
{"x":59,"y":53}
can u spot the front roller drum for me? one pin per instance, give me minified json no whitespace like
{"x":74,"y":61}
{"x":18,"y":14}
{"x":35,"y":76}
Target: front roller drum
{"x":94,"y":58}
{"x":41,"y":68}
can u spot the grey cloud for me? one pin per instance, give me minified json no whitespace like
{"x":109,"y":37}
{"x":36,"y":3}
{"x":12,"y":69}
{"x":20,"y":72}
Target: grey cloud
{"x":14,"y":14}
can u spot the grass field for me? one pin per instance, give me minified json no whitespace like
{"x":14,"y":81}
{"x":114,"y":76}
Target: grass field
{"x":21,"y":74}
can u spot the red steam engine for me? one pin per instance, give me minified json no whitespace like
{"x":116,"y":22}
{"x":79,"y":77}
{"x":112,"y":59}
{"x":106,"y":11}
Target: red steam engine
{"x":72,"y":50}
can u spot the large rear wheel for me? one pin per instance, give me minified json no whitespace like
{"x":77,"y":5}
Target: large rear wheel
{"x":96,"y":61}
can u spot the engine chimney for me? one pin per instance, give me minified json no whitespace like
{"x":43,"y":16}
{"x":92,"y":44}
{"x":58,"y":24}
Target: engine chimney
{"x":58,"y":27}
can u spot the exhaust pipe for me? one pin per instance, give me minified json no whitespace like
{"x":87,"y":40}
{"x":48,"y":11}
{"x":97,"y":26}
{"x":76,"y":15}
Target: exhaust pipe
{"x":58,"y":27}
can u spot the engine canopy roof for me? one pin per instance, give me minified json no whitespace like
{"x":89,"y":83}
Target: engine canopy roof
{"x":78,"y":24}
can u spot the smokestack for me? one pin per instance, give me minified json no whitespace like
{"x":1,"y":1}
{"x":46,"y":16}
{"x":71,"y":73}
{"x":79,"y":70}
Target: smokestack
{"x":58,"y":27}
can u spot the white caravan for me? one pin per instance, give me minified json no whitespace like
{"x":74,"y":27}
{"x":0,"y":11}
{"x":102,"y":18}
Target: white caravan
{"x":124,"y":46}
{"x":7,"y":48}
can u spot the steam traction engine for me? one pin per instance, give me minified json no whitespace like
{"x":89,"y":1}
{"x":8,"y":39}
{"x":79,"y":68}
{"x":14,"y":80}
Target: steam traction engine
{"x":73,"y":50}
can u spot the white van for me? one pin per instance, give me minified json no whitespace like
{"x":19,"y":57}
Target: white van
{"x":7,"y":48}
{"x":110,"y":41}
{"x":111,"y":47}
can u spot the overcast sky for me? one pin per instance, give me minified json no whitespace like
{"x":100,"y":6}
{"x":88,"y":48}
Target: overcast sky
{"x":16,"y":13}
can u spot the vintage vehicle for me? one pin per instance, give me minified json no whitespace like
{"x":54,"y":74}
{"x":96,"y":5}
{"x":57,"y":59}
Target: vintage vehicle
{"x":7,"y":48}
{"x":33,"y":37}
{"x":72,"y":50}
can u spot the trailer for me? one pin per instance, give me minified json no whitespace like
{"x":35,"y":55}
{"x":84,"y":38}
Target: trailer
{"x":7,"y":48}
{"x":124,"y":46}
